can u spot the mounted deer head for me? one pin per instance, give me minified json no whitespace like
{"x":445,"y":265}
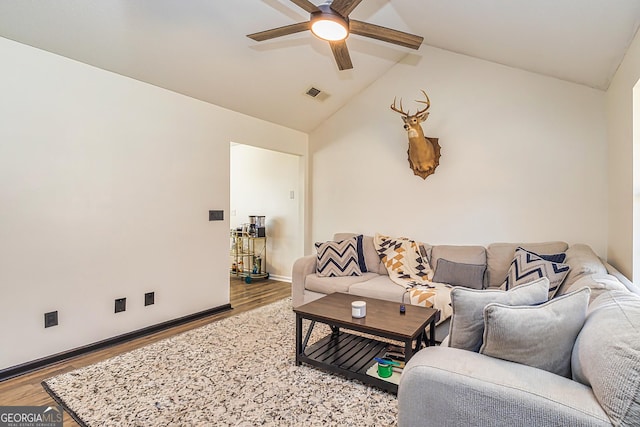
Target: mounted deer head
{"x":424,"y":153}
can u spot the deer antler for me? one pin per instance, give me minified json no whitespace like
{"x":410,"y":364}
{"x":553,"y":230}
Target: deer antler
{"x":406,"y":114}
{"x":401,"y":111}
{"x":428,"y":102}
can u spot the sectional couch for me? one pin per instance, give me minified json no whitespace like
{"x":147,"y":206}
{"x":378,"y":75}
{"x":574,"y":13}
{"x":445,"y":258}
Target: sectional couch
{"x":449,"y":386}
{"x":308,"y":286}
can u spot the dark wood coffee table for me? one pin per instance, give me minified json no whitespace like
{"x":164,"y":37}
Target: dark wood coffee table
{"x":351,"y":355}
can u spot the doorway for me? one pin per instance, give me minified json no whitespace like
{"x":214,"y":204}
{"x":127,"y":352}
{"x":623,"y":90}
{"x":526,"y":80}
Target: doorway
{"x":269,"y":183}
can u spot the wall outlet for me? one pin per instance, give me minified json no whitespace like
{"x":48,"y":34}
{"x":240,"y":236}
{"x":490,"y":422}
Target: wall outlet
{"x":50,"y":319}
{"x":121,"y":305}
{"x":149,"y":298}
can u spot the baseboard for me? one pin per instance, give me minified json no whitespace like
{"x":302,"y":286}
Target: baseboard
{"x":280,"y":278}
{"x":33,"y":365}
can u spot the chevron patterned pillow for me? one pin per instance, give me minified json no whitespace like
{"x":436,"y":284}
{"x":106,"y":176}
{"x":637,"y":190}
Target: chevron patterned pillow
{"x":528,"y":266}
{"x":337,"y":259}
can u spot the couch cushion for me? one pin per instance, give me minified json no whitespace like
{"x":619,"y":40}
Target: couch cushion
{"x":583,"y":262}
{"x":500,"y":255}
{"x":463,"y":254}
{"x":459,"y":274}
{"x":622,"y":278}
{"x":541,"y":336}
{"x":329,"y":285}
{"x":341,"y":258}
{"x":467,"y":321}
{"x":528,"y":266}
{"x":598,"y":283}
{"x":380,"y":287}
{"x":606,"y":355}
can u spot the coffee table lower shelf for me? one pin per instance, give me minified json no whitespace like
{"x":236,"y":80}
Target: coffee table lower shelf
{"x":349,"y":355}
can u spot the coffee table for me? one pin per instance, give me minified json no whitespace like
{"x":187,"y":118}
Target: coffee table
{"x":351,"y":355}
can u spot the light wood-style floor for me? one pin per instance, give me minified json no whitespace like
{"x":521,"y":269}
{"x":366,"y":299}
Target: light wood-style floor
{"x":26,"y":389}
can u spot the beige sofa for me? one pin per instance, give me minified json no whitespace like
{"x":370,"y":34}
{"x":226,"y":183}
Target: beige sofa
{"x":308,"y":286}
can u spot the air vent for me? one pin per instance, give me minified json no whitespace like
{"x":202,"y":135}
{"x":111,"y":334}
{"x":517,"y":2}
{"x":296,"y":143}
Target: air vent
{"x":316,"y":93}
{"x":313,"y":92}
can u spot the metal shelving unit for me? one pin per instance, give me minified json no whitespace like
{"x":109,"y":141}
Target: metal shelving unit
{"x":248,"y":256}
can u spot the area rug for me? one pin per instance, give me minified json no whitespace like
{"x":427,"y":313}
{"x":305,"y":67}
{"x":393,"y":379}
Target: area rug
{"x":239,"y":371}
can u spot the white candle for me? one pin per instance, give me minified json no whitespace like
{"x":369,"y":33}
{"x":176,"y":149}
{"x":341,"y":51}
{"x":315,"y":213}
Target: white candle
{"x":358,"y":309}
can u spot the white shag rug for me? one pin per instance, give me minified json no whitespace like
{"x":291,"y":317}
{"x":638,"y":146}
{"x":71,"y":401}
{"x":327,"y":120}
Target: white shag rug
{"x":239,"y":371}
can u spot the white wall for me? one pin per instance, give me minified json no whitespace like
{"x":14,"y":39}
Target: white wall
{"x":261,"y":184}
{"x":105,"y":187}
{"x":523,"y":158}
{"x":619,"y":104}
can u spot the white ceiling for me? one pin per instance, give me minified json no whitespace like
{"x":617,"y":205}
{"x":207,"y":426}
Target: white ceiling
{"x":198,"y":47}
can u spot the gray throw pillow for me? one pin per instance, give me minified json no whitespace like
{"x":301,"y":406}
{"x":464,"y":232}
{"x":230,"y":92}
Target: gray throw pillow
{"x":459,"y":274}
{"x":606,"y":355}
{"x":541,"y":336}
{"x":467,"y":321}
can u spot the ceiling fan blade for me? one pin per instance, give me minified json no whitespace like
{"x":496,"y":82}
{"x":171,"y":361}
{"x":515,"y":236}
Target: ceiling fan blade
{"x":306,"y":5}
{"x":385,"y":34}
{"x":280,"y":31}
{"x":344,"y":7}
{"x":341,"y":54}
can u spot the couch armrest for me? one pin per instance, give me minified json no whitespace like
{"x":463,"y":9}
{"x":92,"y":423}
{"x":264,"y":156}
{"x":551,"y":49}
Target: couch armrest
{"x":301,"y":269}
{"x":622,"y":278}
{"x":444,"y":386}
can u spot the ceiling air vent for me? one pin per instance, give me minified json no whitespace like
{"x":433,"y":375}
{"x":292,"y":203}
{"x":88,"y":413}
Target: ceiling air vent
{"x":316,"y":94}
{"x":313,"y":92}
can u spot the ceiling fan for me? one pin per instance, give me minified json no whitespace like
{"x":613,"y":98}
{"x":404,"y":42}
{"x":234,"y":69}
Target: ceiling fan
{"x":330,"y":21}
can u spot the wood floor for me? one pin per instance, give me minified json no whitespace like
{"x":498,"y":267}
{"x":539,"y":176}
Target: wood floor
{"x":26,"y":389}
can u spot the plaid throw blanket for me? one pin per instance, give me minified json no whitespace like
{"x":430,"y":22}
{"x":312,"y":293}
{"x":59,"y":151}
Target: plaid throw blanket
{"x":409,"y":268}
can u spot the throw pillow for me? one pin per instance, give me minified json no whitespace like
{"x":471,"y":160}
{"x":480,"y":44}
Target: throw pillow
{"x":338,"y":258}
{"x":360,"y":250}
{"x":557,"y":258}
{"x":540,"y":336}
{"x":527,"y":266}
{"x":459,"y":274}
{"x":367,"y":256}
{"x":467,"y":321}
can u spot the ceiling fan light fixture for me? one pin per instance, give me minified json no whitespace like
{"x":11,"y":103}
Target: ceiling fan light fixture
{"x":330,"y":22}
{"x":329,"y":27}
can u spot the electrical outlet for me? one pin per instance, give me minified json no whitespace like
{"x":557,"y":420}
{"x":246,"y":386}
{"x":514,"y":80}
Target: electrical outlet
{"x":50,"y":319}
{"x":149,"y":298}
{"x":121,"y":305}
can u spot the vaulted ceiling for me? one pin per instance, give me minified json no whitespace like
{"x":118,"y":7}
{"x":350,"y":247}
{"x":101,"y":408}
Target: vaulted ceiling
{"x":199,"y":47}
